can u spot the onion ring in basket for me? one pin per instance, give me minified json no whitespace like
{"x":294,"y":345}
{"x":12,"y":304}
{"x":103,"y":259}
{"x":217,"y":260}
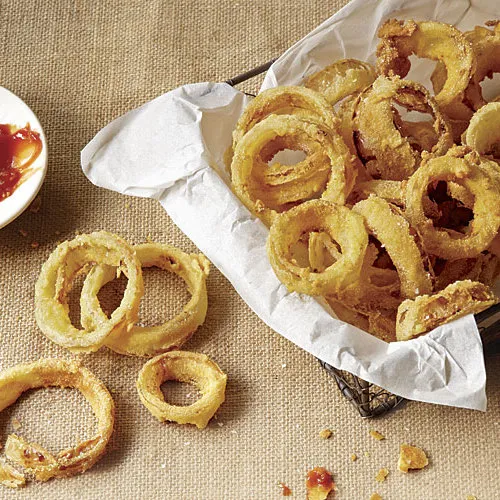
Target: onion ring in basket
{"x":431,"y":40}
{"x":427,"y":312}
{"x":385,"y":223}
{"x":341,"y":79}
{"x":476,"y":174}
{"x":343,"y":226}
{"x":55,"y":372}
{"x":290,"y":100}
{"x":327,"y":155}
{"x":484,"y":129}
{"x":386,"y":152}
{"x":149,"y":341}
{"x":69,"y":259}
{"x":187,"y":367}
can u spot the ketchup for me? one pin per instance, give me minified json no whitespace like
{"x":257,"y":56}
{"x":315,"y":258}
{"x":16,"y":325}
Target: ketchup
{"x":19,"y":148}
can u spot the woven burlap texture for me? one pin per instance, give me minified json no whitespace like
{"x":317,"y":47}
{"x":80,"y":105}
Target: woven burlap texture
{"x":79,"y":64}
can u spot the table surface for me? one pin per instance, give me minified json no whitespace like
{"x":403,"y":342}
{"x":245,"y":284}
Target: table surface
{"x":79,"y":64}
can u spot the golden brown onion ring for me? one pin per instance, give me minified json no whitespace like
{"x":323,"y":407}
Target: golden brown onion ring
{"x":149,"y":341}
{"x":386,"y":152}
{"x":484,"y":129}
{"x":427,"y":312}
{"x":188,"y":367}
{"x":285,"y":100}
{"x":59,"y":373}
{"x":343,"y":227}
{"x":327,"y":154}
{"x":430,"y":40}
{"x":387,"y":225}
{"x":67,"y":261}
{"x":473,"y":173}
{"x":392,"y":191}
{"x":342,"y":79}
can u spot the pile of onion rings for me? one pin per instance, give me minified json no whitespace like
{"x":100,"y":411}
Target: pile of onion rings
{"x":396,"y":206}
{"x":104,"y":256}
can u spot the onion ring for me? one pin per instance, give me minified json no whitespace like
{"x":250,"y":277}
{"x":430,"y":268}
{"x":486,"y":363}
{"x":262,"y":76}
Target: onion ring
{"x":431,"y":40}
{"x":484,"y":129}
{"x":342,"y":79}
{"x":328,"y":155}
{"x":299,"y":101}
{"x":69,"y":259}
{"x":394,"y":232}
{"x":343,"y":227}
{"x":427,"y":312}
{"x":478,"y":176}
{"x":54,"y":372}
{"x":392,"y":191}
{"x":187,"y":367}
{"x":149,"y":341}
{"x":386,"y":152}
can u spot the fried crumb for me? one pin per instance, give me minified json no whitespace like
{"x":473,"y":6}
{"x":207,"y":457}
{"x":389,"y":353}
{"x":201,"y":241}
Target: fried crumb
{"x":376,"y":435}
{"x":325,"y":434}
{"x":16,"y":424}
{"x":382,"y":474}
{"x":411,"y":457}
{"x":36,"y":205}
{"x":354,"y":457}
{"x":127,"y":205}
{"x":375,"y":496}
{"x":285,"y":490}
{"x":35,"y":244}
{"x":23,"y":233}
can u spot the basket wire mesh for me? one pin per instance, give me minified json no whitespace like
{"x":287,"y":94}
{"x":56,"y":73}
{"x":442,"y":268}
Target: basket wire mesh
{"x":370,"y":400}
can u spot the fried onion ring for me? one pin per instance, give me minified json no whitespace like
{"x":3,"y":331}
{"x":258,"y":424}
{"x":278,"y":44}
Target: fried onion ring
{"x":285,"y":100}
{"x":386,"y":152}
{"x":484,"y":129}
{"x":66,"y":262}
{"x":266,"y":196}
{"x":343,"y":226}
{"x":430,"y":40}
{"x":385,"y":223}
{"x":392,"y":191}
{"x":149,"y":341}
{"x":342,"y":79}
{"x":188,"y":367}
{"x":59,"y":373}
{"x":427,"y":312}
{"x":477,"y":175}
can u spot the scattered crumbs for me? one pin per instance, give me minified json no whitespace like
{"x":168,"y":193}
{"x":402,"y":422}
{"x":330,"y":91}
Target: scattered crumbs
{"x":16,"y":424}
{"x":127,"y":205}
{"x":382,"y":474}
{"x":35,"y":244}
{"x":325,"y":434}
{"x":367,"y":454}
{"x":471,"y":497}
{"x":163,"y":466}
{"x":411,"y":457}
{"x":376,"y":435}
{"x":220,"y":424}
{"x":283,"y":365}
{"x":354,"y":457}
{"x":375,"y":496}
{"x":36,"y":205}
{"x":23,"y":232}
{"x":285,"y":490}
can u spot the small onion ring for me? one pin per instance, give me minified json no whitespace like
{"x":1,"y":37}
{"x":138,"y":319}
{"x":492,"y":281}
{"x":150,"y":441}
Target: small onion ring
{"x":387,"y":153}
{"x":473,"y":173}
{"x":285,"y":100}
{"x":484,"y":129}
{"x":149,"y":341}
{"x":59,"y":373}
{"x":342,"y":79}
{"x":431,"y":40}
{"x":343,"y":227}
{"x":69,"y":259}
{"x":248,"y":167}
{"x":394,"y":232}
{"x":427,"y":312}
{"x":187,"y":367}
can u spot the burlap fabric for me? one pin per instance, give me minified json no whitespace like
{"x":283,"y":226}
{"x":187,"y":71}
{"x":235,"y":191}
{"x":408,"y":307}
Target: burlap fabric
{"x":80,"y":64}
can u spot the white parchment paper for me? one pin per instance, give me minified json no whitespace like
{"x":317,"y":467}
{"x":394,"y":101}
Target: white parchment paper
{"x":172,"y":148}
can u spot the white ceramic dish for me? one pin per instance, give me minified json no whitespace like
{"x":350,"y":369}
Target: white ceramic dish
{"x":13,"y":110}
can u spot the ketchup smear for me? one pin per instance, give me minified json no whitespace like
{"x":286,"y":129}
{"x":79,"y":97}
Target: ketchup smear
{"x":19,"y":148}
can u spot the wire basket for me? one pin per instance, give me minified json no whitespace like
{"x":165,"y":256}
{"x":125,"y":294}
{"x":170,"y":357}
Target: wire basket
{"x":370,"y":400}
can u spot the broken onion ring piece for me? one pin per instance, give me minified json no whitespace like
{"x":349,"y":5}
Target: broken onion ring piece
{"x":67,"y":261}
{"x":59,"y":373}
{"x":188,"y":367}
{"x":149,"y":341}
